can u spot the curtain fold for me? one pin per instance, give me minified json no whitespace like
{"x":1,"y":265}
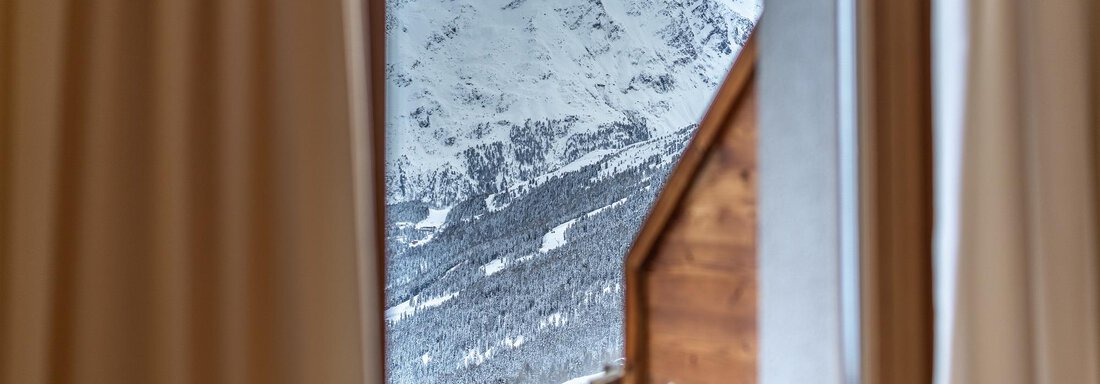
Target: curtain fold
{"x":180,"y":194}
{"x":1027,"y":283}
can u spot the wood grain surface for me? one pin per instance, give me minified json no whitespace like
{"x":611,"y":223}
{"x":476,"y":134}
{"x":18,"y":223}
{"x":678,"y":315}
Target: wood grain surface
{"x":691,"y":274}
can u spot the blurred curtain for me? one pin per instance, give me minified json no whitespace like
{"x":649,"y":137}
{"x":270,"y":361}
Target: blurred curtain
{"x":1027,"y":285}
{"x":186,"y":193}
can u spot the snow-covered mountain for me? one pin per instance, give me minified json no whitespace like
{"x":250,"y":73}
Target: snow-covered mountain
{"x":526,"y":142}
{"x":483,"y":94}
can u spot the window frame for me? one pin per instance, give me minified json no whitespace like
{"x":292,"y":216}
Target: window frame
{"x":882,"y":350}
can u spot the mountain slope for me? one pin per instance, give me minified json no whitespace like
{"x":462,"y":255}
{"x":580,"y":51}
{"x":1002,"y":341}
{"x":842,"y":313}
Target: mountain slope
{"x":483,"y":94}
{"x":526,"y":141}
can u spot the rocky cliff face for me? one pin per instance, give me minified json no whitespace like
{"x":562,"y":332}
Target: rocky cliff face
{"x":485,"y":94}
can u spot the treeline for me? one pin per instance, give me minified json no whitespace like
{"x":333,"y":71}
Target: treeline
{"x":566,"y":304}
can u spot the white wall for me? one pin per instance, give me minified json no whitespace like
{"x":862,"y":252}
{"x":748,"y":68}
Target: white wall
{"x":800,"y":179}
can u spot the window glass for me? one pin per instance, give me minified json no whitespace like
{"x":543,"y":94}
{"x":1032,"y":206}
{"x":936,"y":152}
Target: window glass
{"x":525,"y":143}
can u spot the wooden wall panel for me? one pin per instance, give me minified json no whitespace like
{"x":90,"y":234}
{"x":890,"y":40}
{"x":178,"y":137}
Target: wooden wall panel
{"x":692,"y":281}
{"x":896,"y":193}
{"x":701,"y":283}
{"x":691,"y":274}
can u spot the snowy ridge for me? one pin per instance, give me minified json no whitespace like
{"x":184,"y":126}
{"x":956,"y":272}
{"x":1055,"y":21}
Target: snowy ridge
{"x":436,"y":218}
{"x":410,"y":307}
{"x":477,"y":118}
{"x":556,"y":237}
{"x":660,"y":151}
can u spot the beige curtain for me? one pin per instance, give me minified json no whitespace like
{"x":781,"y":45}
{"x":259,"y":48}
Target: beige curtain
{"x":186,"y":193}
{"x":1027,"y":285}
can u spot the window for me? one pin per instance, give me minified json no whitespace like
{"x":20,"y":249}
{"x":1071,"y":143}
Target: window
{"x":525,"y":143}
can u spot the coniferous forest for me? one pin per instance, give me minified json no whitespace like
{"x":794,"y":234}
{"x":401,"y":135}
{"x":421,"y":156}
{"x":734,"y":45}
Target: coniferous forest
{"x":525,"y":143}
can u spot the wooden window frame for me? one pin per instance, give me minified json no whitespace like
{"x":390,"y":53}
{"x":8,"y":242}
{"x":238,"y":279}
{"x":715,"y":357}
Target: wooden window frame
{"x":895,"y":188}
{"x":895,"y":74}
{"x":375,"y":31}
